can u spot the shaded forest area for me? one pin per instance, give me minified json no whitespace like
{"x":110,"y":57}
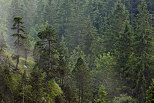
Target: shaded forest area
{"x":76,"y":51}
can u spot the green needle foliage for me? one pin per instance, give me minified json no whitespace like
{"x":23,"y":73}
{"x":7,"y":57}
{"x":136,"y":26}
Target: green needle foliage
{"x":90,"y":43}
{"x":150,"y":93}
{"x":18,"y":35}
{"x":82,"y":78}
{"x":48,"y":52}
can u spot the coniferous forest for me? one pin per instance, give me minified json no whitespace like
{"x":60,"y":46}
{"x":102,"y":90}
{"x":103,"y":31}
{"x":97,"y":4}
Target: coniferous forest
{"x":76,"y":51}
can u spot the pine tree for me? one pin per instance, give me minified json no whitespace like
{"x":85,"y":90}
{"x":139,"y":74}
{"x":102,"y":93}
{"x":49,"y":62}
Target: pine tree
{"x":37,"y":82}
{"x":79,"y":27}
{"x":23,"y":89}
{"x":116,"y":26}
{"x":106,"y":74}
{"x":82,"y":78}
{"x":49,"y":55}
{"x":6,"y":84}
{"x":123,"y":51}
{"x":63,"y":68}
{"x":143,"y":52}
{"x":75,"y":54}
{"x":99,"y":11}
{"x":118,"y":42}
{"x":19,"y":35}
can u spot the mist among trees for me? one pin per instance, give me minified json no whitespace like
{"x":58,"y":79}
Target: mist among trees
{"x":76,"y":51}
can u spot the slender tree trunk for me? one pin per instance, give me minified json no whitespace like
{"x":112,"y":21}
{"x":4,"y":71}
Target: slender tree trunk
{"x":79,"y":94}
{"x":49,"y":54}
{"x":82,"y":94}
{"x":26,"y":53}
{"x":17,"y":47}
{"x":49,"y":43}
{"x":23,"y":98}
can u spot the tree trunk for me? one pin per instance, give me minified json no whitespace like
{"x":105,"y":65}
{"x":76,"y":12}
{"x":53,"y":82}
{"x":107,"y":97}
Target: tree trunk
{"x":79,"y":94}
{"x":49,"y":54}
{"x":26,"y":53}
{"x":17,"y":47}
{"x":23,"y":98}
{"x":82,"y":94}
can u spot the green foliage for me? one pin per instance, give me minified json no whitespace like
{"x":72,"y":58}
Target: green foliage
{"x":48,"y":53}
{"x":143,"y":45}
{"x":7,"y":86}
{"x":150,"y":93}
{"x":124,"y":99}
{"x":105,"y":61}
{"x":82,"y":78}
{"x":37,"y":85}
{"x":63,"y":67}
{"x":102,"y":94}
{"x":19,"y":34}
{"x":114,"y":39}
{"x":74,"y":56}
{"x":105,"y":75}
{"x":23,"y":89}
{"x":116,"y":26}
{"x":3,"y":44}
{"x":54,"y":92}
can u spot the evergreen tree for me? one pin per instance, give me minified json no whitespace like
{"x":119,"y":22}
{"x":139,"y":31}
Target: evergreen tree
{"x":49,"y":55}
{"x":6,"y":84}
{"x":82,"y":78}
{"x":79,"y":29}
{"x":23,"y":89}
{"x":63,"y":68}
{"x":102,"y":95}
{"x":75,"y":54}
{"x":118,"y":42}
{"x":105,"y":75}
{"x":143,"y":52}
{"x":19,"y":35}
{"x":123,"y":51}
{"x":37,"y":84}
{"x":116,"y":26}
{"x":99,"y":11}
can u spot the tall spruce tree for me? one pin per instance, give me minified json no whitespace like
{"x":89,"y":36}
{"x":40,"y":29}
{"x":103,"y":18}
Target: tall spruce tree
{"x":19,"y":35}
{"x":23,"y":89}
{"x":49,"y":55}
{"x":37,"y":83}
{"x":123,"y":51}
{"x":143,"y":52}
{"x":63,"y":67}
{"x":82,"y":78}
{"x":116,"y":26}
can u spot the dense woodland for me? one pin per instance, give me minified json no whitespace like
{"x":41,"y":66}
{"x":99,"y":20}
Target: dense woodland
{"x":76,"y":51}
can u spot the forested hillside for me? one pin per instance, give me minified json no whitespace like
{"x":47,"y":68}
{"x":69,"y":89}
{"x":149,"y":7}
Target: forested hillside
{"x":76,"y":51}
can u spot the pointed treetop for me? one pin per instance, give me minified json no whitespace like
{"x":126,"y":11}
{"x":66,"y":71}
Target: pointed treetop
{"x":18,"y":19}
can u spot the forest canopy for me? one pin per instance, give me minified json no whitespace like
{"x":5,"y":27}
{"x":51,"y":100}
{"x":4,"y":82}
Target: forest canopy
{"x":76,"y":51}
